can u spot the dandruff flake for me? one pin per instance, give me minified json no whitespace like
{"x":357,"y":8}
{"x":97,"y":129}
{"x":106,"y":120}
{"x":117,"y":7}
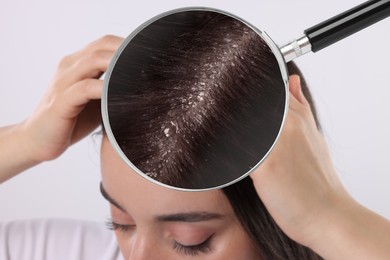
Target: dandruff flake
{"x":166,"y":132}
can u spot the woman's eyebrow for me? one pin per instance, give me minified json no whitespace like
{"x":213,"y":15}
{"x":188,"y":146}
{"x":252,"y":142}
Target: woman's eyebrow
{"x":189,"y":217}
{"x":177,"y":217}
{"x":109,"y":199}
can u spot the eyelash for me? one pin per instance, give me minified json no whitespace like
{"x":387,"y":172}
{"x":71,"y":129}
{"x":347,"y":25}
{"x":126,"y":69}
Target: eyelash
{"x":115,"y":226}
{"x":192,"y":250}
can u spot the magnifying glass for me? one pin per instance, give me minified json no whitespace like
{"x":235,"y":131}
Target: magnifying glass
{"x":196,"y":98}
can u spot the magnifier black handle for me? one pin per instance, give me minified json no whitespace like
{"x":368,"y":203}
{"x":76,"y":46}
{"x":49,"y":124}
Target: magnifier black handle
{"x":347,"y":23}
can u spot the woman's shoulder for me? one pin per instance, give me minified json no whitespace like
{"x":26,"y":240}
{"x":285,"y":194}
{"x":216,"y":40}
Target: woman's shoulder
{"x":57,"y":239}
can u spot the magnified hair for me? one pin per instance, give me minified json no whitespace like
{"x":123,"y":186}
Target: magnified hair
{"x":196,"y":99}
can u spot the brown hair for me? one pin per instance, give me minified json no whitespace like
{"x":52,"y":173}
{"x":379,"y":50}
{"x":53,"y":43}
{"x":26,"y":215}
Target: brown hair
{"x":209,"y":84}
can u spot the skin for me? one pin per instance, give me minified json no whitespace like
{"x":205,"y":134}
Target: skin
{"x":297,"y":183}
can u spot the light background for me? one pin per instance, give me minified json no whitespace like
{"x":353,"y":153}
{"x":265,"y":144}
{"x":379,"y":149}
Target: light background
{"x":349,"y":81}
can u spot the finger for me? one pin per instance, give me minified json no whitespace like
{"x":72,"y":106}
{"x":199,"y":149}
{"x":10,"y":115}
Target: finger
{"x":295,"y":87}
{"x":107,"y":42}
{"x":91,"y":65}
{"x":87,"y":121}
{"x":297,"y":100}
{"x":78,"y":95}
{"x":293,"y":102}
{"x":84,"y":91}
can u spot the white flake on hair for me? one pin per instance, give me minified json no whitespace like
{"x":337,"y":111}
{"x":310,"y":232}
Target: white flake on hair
{"x":175,"y":125}
{"x":151,"y":174}
{"x":166,"y":131}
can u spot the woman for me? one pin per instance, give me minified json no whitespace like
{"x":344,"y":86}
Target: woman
{"x":304,"y":212}
{"x":170,"y":107}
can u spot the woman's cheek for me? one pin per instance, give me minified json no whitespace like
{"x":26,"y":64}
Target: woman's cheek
{"x":234,"y":245}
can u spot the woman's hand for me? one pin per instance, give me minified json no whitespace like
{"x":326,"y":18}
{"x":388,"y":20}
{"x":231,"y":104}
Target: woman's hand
{"x":66,"y":113}
{"x":297,"y":180}
{"x":69,"y":110}
{"x":300,"y":188}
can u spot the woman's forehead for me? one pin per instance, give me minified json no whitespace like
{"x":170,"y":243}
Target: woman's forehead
{"x":130,"y":189}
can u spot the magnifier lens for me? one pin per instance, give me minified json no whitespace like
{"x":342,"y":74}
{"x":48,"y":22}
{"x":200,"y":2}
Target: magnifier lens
{"x":194,"y":99}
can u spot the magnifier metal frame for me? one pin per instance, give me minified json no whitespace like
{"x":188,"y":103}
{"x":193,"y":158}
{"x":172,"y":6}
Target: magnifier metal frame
{"x":314,"y":39}
{"x":110,"y":135}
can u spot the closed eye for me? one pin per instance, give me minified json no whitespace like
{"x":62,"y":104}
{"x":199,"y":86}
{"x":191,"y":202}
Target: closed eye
{"x":193,"y":250}
{"x":115,"y":226}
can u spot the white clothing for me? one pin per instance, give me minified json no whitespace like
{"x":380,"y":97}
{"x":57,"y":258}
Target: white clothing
{"x":57,"y":239}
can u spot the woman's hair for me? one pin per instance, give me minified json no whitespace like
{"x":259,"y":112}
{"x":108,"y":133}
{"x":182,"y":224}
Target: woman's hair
{"x":210,"y":83}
